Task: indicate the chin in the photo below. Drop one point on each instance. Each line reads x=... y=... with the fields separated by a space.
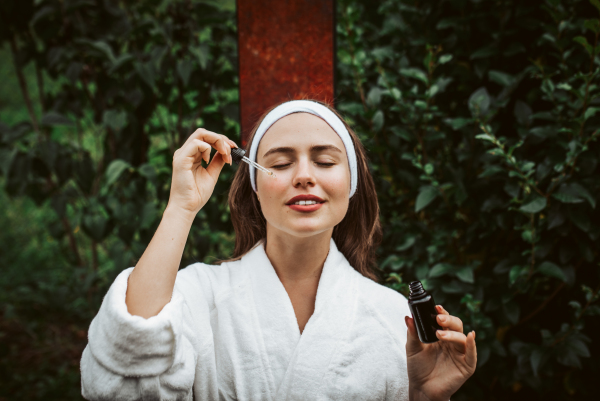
x=304 y=230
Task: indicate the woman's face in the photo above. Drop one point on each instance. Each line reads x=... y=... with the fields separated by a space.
x=308 y=158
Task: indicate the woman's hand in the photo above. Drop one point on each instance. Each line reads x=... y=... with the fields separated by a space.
x=192 y=185
x=436 y=371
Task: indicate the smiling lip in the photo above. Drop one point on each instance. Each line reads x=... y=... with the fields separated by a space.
x=305 y=208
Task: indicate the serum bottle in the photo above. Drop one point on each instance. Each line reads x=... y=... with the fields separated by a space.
x=422 y=307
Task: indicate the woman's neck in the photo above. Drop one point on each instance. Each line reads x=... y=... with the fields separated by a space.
x=297 y=259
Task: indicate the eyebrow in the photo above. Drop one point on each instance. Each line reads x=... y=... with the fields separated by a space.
x=314 y=148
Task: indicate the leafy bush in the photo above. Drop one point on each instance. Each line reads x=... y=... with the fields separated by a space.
x=481 y=119
x=481 y=122
x=119 y=88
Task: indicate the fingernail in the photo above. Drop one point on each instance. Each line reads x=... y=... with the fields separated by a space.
x=474 y=334
x=441 y=333
x=442 y=318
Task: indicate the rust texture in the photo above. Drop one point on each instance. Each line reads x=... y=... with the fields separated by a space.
x=286 y=51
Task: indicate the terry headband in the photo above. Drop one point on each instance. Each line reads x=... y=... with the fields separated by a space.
x=305 y=106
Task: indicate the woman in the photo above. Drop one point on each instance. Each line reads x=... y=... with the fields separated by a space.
x=296 y=314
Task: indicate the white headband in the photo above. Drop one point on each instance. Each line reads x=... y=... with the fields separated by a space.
x=305 y=106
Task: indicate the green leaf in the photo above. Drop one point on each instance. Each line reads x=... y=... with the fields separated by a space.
x=569 y=193
x=522 y=112
x=146 y=72
x=527 y=166
x=584 y=193
x=479 y=101
x=590 y=112
x=374 y=96
x=485 y=52
x=378 y=121
x=54 y=118
x=579 y=347
x=458 y=123
x=409 y=242
x=202 y=54
x=596 y=4
x=94 y=225
x=512 y=311
x=425 y=197
x=104 y=48
x=114 y=119
x=184 y=69
x=149 y=215
x=551 y=270
x=148 y=171
x=538 y=357
x=515 y=273
x=567 y=198
x=593 y=25
x=444 y=58
x=120 y=61
x=114 y=171
x=501 y=78
x=583 y=41
x=486 y=137
x=415 y=73
x=548 y=86
x=465 y=274
x=491 y=170
x=440 y=269
x=535 y=206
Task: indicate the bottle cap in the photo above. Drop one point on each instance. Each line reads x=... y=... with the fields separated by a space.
x=237 y=154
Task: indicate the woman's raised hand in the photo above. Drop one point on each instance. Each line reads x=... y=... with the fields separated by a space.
x=192 y=185
x=436 y=371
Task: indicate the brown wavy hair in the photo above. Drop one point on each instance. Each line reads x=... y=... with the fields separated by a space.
x=357 y=236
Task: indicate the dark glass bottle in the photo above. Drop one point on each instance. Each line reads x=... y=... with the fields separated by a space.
x=422 y=307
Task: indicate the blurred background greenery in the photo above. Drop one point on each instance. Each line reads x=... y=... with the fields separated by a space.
x=480 y=119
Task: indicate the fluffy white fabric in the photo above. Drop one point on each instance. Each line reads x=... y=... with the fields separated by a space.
x=230 y=333
x=305 y=106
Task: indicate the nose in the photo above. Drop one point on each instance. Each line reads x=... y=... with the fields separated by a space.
x=304 y=176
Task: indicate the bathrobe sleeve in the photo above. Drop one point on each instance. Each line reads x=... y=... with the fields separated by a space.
x=132 y=358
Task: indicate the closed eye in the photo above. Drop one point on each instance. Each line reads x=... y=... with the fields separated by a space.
x=320 y=164
x=281 y=165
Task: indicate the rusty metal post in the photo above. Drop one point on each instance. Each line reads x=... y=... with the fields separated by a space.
x=286 y=51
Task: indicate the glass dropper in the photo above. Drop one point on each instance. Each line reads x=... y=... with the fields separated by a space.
x=237 y=155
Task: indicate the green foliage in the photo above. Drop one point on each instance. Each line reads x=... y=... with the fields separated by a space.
x=482 y=136
x=110 y=91
x=480 y=118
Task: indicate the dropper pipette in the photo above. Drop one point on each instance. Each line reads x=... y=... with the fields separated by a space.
x=237 y=155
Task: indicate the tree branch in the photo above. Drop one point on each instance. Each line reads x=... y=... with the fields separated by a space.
x=23 y=86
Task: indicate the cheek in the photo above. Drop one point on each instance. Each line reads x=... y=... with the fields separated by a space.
x=271 y=188
x=337 y=183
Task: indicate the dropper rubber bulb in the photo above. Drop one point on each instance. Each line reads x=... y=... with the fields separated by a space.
x=237 y=155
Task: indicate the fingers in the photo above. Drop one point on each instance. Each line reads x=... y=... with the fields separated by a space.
x=471 y=352
x=220 y=142
x=215 y=166
x=195 y=149
x=440 y=309
x=450 y=322
x=458 y=340
x=413 y=344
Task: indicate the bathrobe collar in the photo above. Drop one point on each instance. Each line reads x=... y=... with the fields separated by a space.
x=297 y=363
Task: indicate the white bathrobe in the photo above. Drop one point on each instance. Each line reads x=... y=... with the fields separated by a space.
x=230 y=333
